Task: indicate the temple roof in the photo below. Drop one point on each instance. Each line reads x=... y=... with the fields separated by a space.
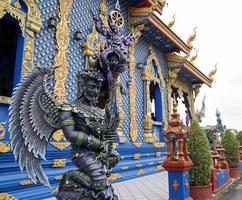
x=156 y=30
x=188 y=71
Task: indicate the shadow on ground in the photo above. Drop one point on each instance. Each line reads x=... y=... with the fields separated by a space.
x=234 y=193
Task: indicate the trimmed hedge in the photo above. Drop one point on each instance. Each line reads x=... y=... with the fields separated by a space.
x=231 y=149
x=200 y=154
x=239 y=137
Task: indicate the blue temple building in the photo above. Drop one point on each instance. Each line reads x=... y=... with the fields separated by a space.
x=61 y=33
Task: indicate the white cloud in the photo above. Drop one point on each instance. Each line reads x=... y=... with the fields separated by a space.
x=219 y=41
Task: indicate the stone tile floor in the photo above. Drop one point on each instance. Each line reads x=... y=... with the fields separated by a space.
x=151 y=187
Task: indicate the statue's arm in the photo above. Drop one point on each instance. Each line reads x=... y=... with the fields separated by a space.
x=100 y=26
x=78 y=138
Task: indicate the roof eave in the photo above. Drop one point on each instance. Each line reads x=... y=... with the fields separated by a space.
x=197 y=73
x=155 y=21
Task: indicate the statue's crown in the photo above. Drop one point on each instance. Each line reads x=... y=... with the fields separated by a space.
x=91 y=74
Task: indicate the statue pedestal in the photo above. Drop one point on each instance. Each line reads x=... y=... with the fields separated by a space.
x=179 y=187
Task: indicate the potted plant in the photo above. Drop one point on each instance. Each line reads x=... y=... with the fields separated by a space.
x=231 y=152
x=239 y=138
x=200 y=173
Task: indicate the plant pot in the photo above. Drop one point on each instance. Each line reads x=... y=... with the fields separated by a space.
x=203 y=192
x=234 y=172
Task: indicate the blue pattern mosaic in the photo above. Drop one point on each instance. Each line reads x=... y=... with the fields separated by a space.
x=45 y=44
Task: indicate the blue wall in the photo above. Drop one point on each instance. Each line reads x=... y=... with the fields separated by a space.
x=45 y=51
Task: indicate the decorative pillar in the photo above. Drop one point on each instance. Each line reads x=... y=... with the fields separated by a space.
x=177 y=162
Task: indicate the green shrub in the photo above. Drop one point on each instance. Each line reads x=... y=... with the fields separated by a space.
x=200 y=154
x=231 y=149
x=239 y=137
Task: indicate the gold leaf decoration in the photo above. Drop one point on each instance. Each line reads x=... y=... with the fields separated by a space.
x=58 y=135
x=133 y=123
x=26 y=182
x=59 y=163
x=140 y=172
x=61 y=145
x=114 y=177
x=4 y=148
x=63 y=41
x=6 y=196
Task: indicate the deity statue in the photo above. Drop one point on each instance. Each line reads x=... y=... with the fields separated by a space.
x=35 y=115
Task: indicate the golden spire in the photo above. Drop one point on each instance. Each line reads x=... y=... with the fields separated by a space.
x=172 y=22
x=212 y=73
x=192 y=38
x=194 y=57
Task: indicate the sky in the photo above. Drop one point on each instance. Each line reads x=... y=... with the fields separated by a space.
x=219 y=32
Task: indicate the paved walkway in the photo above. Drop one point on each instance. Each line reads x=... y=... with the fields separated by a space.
x=235 y=193
x=152 y=187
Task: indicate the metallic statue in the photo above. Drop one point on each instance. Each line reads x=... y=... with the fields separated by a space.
x=35 y=115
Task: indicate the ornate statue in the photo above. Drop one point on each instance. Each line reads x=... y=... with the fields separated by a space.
x=220 y=128
x=35 y=115
x=201 y=113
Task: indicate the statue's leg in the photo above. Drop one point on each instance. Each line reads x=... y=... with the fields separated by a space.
x=88 y=163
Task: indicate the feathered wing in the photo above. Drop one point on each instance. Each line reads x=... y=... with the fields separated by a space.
x=33 y=117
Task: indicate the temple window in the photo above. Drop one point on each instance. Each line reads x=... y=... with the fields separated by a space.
x=9 y=34
x=154 y=112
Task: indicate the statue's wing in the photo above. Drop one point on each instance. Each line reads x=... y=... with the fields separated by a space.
x=33 y=117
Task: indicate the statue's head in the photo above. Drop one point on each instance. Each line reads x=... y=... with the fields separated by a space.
x=89 y=85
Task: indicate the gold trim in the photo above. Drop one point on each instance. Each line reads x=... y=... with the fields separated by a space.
x=114 y=177
x=4 y=148
x=28 y=55
x=158 y=144
x=4 y=99
x=26 y=182
x=136 y=156
x=6 y=7
x=140 y=172
x=149 y=75
x=122 y=137
x=34 y=18
x=63 y=41
x=175 y=185
x=59 y=163
x=158 y=154
x=142 y=11
x=159 y=168
x=58 y=178
x=137 y=144
x=61 y=145
x=2 y=135
x=58 y=135
x=133 y=122
x=6 y=196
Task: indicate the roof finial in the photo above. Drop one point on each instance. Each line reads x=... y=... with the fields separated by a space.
x=172 y=22
x=117 y=6
x=192 y=38
x=212 y=73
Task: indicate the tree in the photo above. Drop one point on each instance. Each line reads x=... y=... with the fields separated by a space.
x=231 y=149
x=200 y=154
x=239 y=137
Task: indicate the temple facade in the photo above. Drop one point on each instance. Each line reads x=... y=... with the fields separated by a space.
x=62 y=33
